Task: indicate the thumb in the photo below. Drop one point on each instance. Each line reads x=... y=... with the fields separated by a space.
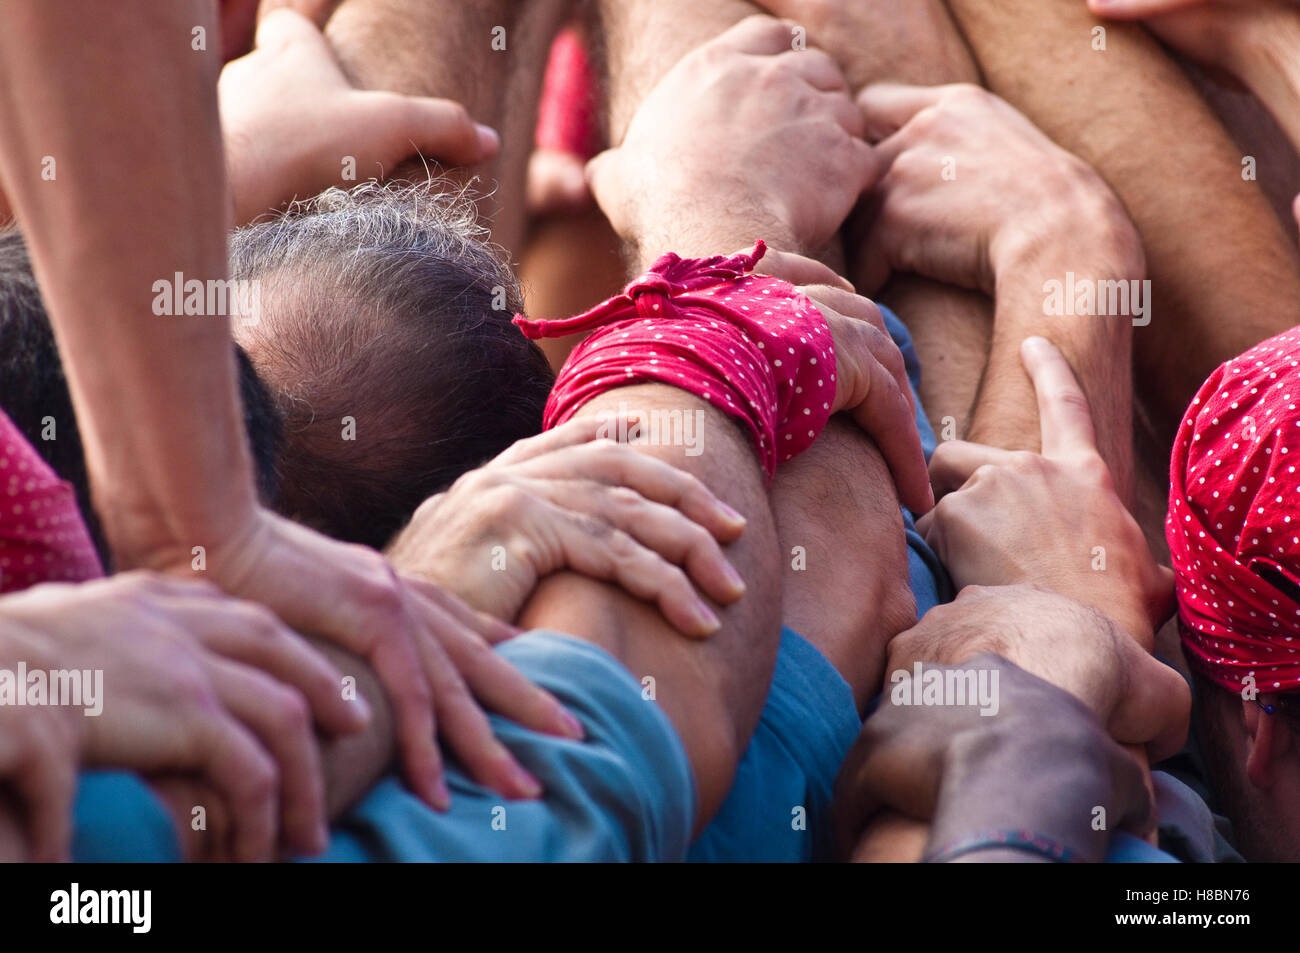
x=281 y=27
x=604 y=178
x=442 y=129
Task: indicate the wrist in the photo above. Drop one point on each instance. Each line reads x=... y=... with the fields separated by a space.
x=1012 y=777
x=144 y=534
x=1085 y=229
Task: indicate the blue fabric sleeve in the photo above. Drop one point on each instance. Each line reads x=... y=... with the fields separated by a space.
x=625 y=793
x=117 y=819
x=778 y=808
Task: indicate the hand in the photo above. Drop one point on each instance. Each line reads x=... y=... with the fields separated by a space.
x=744 y=137
x=566 y=500
x=291 y=119
x=432 y=660
x=970 y=187
x=192 y=682
x=870 y=377
x=1139 y=699
x=1008 y=517
x=1041 y=763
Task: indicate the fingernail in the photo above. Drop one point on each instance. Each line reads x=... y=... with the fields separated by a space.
x=733 y=579
x=573 y=728
x=441 y=796
x=731 y=515
x=360 y=709
x=488 y=140
x=525 y=782
x=706 y=619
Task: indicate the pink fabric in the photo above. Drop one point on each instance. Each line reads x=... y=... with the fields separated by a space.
x=1234 y=510
x=42 y=535
x=566 y=113
x=750 y=345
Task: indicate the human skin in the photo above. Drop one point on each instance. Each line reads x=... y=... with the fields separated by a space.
x=444 y=48
x=1043 y=763
x=996 y=224
x=1086 y=104
x=156 y=396
x=190 y=681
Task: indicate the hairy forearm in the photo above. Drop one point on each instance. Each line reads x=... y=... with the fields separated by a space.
x=1271 y=69
x=107 y=213
x=1044 y=288
x=1087 y=105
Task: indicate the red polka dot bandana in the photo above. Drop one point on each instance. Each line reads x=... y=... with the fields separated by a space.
x=42 y=535
x=750 y=345
x=1234 y=519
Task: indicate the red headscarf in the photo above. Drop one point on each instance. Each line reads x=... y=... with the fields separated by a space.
x=1234 y=519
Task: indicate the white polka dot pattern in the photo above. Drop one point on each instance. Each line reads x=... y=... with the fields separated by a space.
x=1234 y=519
x=42 y=535
x=750 y=345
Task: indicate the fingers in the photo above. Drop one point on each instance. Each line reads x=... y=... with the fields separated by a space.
x=881 y=406
x=281 y=720
x=244 y=776
x=954 y=462
x=42 y=767
x=858 y=308
x=1063 y=412
x=258 y=639
x=571 y=433
x=800 y=270
x=464 y=726
x=888 y=107
x=618 y=465
x=818 y=70
x=592 y=548
x=489 y=628
x=663 y=529
x=376 y=622
x=442 y=129
x=497 y=683
x=283 y=26
x=888 y=416
x=759 y=35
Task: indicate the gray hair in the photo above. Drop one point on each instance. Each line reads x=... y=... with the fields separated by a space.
x=386 y=304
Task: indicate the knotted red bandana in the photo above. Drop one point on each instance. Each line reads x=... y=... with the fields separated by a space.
x=750 y=345
x=1234 y=519
x=42 y=535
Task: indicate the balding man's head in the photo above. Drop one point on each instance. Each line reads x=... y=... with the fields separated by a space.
x=385 y=333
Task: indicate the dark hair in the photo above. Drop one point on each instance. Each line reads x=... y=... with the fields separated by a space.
x=34 y=392
x=384 y=307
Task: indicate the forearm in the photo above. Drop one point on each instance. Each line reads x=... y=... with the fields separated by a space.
x=155 y=395
x=1081 y=287
x=452 y=49
x=1088 y=107
x=1271 y=69
x=712 y=690
x=826 y=501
